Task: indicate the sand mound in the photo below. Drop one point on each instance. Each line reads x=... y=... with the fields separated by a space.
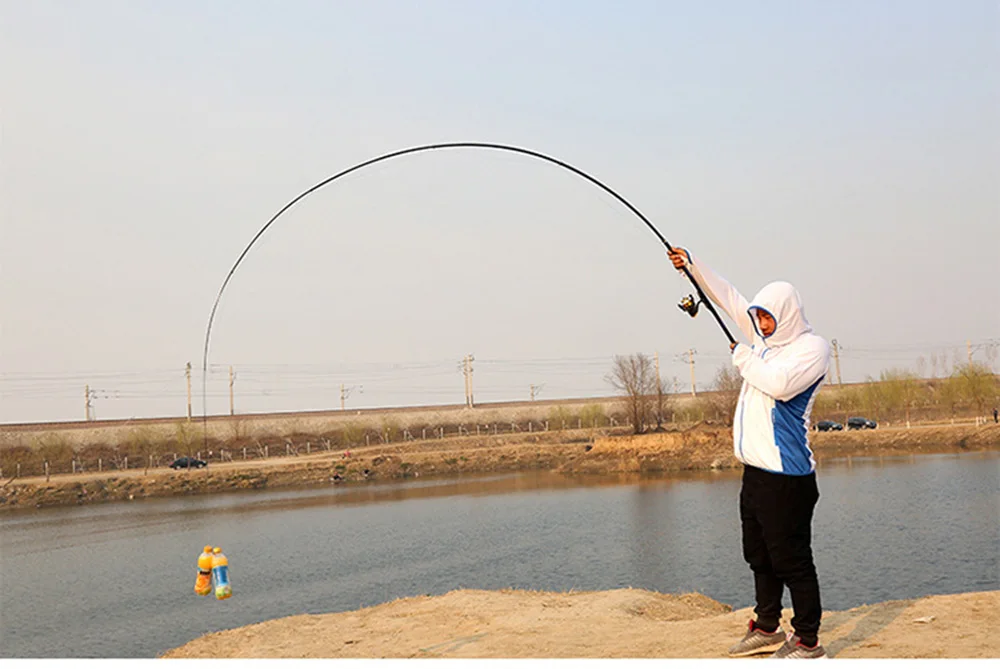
x=610 y=624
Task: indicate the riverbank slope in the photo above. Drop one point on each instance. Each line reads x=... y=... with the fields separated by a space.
x=572 y=452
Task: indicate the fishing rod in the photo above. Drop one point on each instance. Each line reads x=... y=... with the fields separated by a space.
x=688 y=304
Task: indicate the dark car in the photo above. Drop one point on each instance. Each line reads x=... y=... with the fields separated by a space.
x=828 y=425
x=859 y=423
x=188 y=463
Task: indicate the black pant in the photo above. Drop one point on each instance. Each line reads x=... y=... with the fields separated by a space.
x=776 y=512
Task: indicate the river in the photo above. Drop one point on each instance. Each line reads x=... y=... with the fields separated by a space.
x=116 y=580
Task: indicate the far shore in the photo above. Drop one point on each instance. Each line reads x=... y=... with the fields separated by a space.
x=571 y=452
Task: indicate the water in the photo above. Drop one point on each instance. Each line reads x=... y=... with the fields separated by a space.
x=117 y=580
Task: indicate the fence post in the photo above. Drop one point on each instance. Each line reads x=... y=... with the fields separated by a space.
x=495 y=429
x=529 y=426
x=74 y=469
x=579 y=423
x=546 y=426
x=19 y=470
x=100 y=465
x=423 y=433
x=308 y=448
x=126 y=461
x=368 y=441
x=46 y=470
x=244 y=452
x=477 y=429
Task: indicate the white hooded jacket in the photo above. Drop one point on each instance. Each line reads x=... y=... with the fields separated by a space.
x=782 y=374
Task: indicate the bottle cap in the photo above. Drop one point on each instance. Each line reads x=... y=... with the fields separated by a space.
x=216 y=550
x=208 y=549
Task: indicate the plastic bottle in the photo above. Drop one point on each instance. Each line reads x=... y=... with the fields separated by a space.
x=203 y=582
x=220 y=574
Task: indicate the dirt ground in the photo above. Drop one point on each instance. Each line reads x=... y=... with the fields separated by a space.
x=611 y=624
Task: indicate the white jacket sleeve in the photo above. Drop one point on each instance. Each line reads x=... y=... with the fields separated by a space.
x=784 y=380
x=723 y=294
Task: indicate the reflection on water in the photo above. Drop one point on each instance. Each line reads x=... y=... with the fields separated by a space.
x=91 y=524
x=116 y=580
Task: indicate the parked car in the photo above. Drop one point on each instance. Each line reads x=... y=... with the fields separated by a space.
x=186 y=462
x=828 y=425
x=859 y=423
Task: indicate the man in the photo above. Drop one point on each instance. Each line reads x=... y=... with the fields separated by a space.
x=782 y=371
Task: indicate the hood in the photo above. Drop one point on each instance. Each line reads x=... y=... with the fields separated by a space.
x=782 y=301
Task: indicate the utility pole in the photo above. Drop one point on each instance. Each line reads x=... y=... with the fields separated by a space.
x=187 y=373
x=691 y=353
x=232 y=403
x=656 y=356
x=465 y=377
x=836 y=357
x=345 y=392
x=968 y=351
x=535 y=390
x=86 y=394
x=467 y=373
x=470 y=402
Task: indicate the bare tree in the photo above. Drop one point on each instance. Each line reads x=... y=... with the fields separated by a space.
x=949 y=394
x=992 y=352
x=664 y=398
x=899 y=389
x=978 y=384
x=141 y=443
x=726 y=384
x=634 y=377
x=239 y=429
x=873 y=398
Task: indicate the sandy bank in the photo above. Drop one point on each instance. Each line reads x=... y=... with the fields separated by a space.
x=611 y=624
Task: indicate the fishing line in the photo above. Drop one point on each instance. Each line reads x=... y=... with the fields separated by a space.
x=688 y=304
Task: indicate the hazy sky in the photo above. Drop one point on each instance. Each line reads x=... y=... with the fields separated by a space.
x=852 y=148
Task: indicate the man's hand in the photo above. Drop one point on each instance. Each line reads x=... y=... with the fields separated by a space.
x=678 y=257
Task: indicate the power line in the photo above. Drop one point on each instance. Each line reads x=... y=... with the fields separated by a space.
x=294 y=385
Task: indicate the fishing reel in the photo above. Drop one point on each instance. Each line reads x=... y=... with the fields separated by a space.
x=689 y=306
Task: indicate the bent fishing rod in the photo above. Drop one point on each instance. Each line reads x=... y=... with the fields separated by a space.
x=688 y=304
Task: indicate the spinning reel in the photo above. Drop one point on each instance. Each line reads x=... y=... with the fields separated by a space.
x=689 y=306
